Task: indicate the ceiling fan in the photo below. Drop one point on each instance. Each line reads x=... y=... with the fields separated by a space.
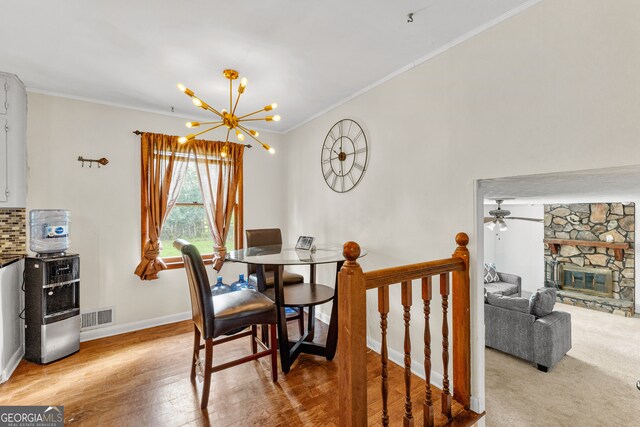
x=497 y=217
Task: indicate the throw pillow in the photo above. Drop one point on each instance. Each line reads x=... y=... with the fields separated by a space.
x=510 y=303
x=542 y=301
x=490 y=273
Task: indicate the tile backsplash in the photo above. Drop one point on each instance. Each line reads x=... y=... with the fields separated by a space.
x=13 y=231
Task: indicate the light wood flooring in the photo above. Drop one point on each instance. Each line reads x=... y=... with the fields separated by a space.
x=142 y=379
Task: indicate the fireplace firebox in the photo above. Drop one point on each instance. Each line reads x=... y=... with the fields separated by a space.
x=589 y=280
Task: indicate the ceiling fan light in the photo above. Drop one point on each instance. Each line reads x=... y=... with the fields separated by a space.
x=503 y=226
x=491 y=225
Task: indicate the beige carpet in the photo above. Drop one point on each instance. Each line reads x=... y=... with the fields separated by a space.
x=593 y=385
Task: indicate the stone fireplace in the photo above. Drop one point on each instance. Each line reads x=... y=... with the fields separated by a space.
x=590 y=255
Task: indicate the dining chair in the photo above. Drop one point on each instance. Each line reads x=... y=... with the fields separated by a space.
x=263 y=277
x=214 y=316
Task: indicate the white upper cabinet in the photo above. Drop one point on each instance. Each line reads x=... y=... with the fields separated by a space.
x=4 y=165
x=13 y=142
x=4 y=87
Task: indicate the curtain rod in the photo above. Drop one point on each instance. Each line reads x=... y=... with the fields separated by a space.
x=137 y=132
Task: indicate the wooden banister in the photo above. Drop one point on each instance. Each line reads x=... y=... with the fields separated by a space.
x=352 y=286
x=352 y=341
x=461 y=311
x=390 y=276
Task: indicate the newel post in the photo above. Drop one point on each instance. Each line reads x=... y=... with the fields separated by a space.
x=462 y=326
x=352 y=345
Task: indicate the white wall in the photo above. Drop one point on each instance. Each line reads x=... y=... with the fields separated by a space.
x=560 y=74
x=520 y=249
x=105 y=202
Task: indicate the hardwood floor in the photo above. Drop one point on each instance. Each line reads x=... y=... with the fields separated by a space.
x=142 y=379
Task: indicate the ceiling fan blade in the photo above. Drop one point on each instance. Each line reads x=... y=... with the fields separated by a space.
x=488 y=219
x=525 y=219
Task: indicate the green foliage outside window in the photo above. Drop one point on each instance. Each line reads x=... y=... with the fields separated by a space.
x=187 y=220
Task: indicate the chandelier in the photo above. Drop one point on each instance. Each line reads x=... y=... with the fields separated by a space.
x=228 y=117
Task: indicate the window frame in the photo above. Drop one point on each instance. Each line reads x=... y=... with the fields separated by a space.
x=176 y=262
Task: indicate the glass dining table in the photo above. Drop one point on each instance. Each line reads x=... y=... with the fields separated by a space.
x=307 y=294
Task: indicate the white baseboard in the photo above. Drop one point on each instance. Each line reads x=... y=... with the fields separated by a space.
x=94 y=334
x=323 y=317
x=12 y=364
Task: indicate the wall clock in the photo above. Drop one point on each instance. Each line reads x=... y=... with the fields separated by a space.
x=344 y=156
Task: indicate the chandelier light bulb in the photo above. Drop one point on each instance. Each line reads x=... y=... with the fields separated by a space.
x=271 y=107
x=254 y=133
x=223 y=153
x=271 y=150
x=197 y=102
x=239 y=135
x=276 y=118
x=182 y=139
x=192 y=124
x=243 y=82
x=185 y=89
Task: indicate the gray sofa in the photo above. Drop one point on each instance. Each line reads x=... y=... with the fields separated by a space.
x=509 y=285
x=541 y=340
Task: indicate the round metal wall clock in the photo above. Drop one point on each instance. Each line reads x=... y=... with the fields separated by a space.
x=344 y=156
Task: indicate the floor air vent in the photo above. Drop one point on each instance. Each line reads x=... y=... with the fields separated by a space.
x=98 y=318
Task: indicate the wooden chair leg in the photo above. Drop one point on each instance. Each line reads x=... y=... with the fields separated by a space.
x=196 y=352
x=254 y=336
x=301 y=320
x=274 y=353
x=208 y=362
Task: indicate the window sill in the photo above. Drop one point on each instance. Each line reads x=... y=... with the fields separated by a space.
x=174 y=263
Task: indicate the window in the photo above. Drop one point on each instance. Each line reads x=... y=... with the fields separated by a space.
x=187 y=220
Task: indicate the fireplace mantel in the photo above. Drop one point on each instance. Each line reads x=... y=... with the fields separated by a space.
x=618 y=248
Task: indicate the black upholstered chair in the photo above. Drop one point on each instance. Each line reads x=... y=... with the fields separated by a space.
x=262 y=277
x=222 y=314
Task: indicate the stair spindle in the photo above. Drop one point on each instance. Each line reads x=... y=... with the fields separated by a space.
x=428 y=414
x=446 y=394
x=383 y=309
x=406 y=304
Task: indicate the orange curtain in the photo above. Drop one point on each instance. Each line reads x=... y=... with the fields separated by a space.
x=219 y=177
x=163 y=165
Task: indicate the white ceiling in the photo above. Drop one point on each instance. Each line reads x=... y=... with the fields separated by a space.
x=307 y=56
x=621 y=184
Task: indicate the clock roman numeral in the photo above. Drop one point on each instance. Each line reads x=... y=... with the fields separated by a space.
x=327 y=174
x=359 y=166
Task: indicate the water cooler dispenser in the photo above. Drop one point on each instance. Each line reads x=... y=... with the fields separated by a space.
x=52 y=289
